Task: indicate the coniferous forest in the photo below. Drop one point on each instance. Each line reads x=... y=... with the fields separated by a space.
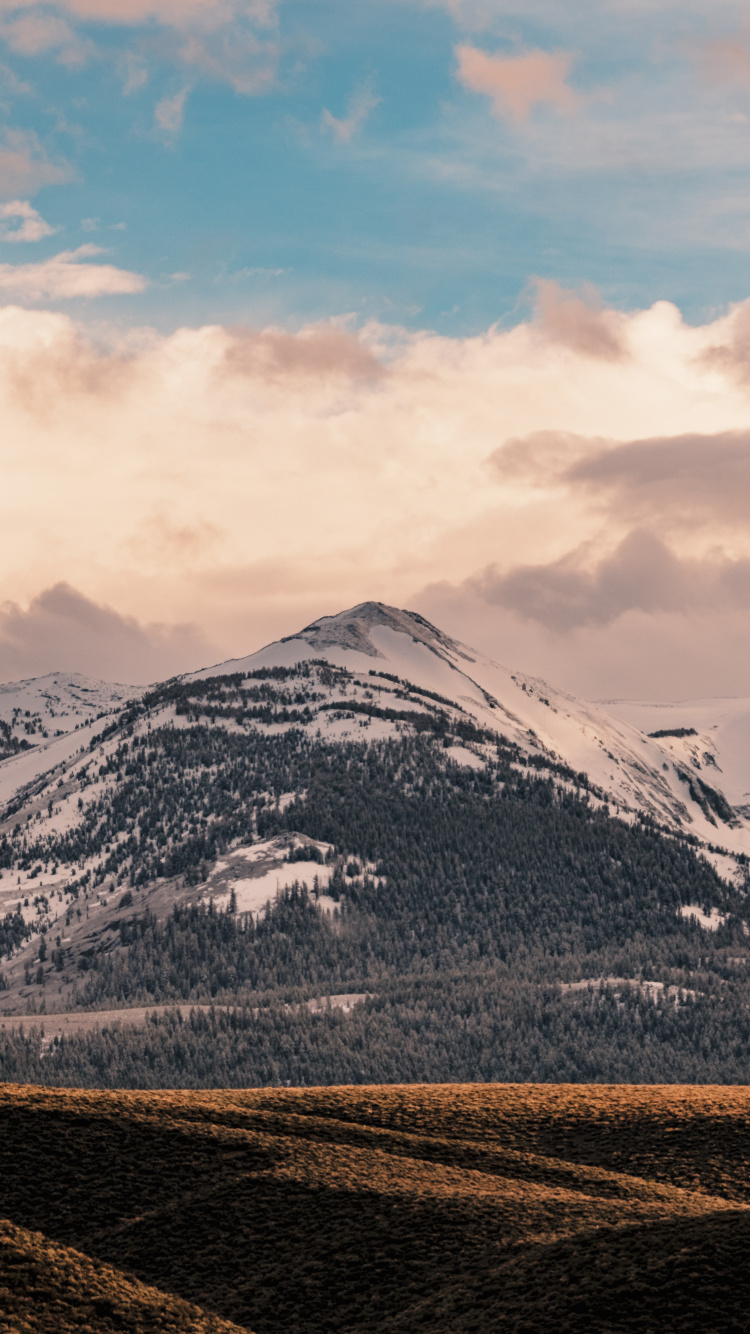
x=469 y=900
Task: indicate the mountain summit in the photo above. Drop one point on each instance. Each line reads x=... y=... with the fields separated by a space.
x=352 y=630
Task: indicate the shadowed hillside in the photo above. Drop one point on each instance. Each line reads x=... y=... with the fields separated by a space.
x=403 y=1208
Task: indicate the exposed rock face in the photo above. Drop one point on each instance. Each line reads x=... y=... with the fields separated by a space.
x=351 y=630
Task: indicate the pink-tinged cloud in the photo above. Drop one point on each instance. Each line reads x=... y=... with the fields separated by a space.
x=580 y=323
x=246 y=480
x=727 y=60
x=64 y=276
x=227 y=40
x=234 y=56
x=641 y=574
x=319 y=352
x=517 y=84
x=33 y=34
x=176 y=13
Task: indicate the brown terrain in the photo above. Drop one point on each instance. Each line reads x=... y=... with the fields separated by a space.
x=376 y=1209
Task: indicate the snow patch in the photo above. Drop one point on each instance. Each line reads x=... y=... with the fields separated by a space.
x=710 y=921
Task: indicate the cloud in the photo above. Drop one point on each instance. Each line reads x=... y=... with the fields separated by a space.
x=687 y=478
x=64 y=277
x=235 y=56
x=35 y=34
x=731 y=352
x=641 y=574
x=579 y=322
x=63 y=630
x=25 y=167
x=727 y=60
x=228 y=40
x=517 y=84
x=30 y=225
x=175 y=13
x=292 y=473
x=360 y=105
x=170 y=111
x=319 y=351
x=683 y=480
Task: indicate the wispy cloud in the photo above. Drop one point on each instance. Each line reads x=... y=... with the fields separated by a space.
x=170 y=112
x=37 y=33
x=361 y=104
x=65 y=276
x=25 y=166
x=175 y=13
x=227 y=40
x=19 y=221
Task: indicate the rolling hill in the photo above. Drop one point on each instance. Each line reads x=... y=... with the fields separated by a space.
x=511 y=1208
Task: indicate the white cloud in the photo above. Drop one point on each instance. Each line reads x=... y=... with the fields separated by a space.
x=64 y=276
x=29 y=225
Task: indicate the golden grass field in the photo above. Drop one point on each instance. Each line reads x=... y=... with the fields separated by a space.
x=361 y=1210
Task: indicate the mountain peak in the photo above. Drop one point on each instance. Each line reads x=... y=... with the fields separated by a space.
x=352 y=629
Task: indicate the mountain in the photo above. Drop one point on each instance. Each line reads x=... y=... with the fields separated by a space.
x=639 y=771
x=372 y=808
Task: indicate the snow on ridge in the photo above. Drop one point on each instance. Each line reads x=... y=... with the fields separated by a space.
x=699 y=784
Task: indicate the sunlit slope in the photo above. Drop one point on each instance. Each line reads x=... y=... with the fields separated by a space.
x=46 y=1288
x=394 y=1208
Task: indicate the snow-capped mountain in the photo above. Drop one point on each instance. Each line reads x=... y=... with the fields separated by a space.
x=678 y=779
x=159 y=792
x=687 y=765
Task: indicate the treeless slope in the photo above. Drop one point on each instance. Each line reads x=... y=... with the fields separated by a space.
x=46 y=1288
x=396 y=1208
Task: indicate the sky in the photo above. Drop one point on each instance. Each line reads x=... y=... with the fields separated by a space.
x=444 y=303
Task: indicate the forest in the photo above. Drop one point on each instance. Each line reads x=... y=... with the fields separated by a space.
x=468 y=899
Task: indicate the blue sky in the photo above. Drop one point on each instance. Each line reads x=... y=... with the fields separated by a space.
x=428 y=209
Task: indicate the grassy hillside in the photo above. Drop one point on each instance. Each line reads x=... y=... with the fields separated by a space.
x=46 y=1288
x=412 y=1208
